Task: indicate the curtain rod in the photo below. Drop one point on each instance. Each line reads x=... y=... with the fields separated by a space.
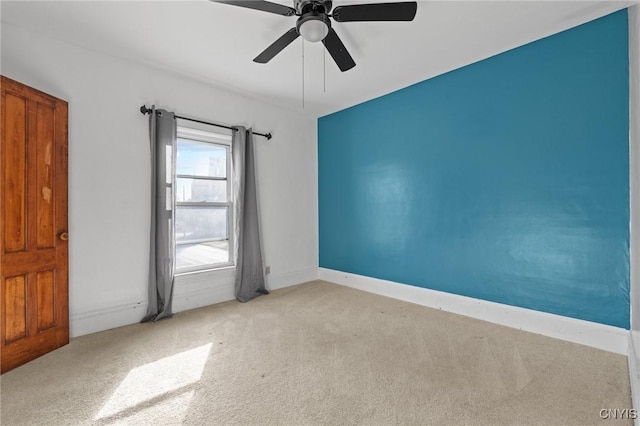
x=144 y=110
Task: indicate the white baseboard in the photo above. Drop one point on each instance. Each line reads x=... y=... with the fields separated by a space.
x=190 y=292
x=131 y=313
x=634 y=370
x=221 y=289
x=605 y=337
x=287 y=279
x=106 y=318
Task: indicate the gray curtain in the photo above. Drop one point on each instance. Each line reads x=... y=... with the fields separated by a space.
x=248 y=255
x=162 y=132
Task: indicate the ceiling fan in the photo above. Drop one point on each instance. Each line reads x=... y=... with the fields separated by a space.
x=314 y=24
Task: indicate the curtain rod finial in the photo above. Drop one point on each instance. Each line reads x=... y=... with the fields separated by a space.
x=268 y=136
x=144 y=110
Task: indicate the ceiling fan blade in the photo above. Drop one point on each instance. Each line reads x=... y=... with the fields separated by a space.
x=265 y=6
x=404 y=11
x=277 y=46
x=338 y=52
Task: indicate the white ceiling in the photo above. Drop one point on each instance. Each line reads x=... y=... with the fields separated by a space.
x=216 y=43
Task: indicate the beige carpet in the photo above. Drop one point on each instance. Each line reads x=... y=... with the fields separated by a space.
x=317 y=353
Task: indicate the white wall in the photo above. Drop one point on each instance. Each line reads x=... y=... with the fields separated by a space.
x=109 y=168
x=634 y=158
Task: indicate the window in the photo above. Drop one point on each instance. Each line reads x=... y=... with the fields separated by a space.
x=204 y=204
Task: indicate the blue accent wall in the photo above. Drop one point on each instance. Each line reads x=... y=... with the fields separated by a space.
x=506 y=180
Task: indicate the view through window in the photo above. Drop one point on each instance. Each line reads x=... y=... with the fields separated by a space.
x=203 y=207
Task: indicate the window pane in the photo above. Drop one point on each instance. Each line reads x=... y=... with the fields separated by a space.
x=192 y=255
x=201 y=159
x=194 y=224
x=201 y=190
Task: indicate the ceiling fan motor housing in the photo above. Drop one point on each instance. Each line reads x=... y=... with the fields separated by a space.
x=304 y=6
x=313 y=24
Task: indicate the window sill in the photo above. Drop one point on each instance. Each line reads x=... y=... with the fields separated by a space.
x=226 y=268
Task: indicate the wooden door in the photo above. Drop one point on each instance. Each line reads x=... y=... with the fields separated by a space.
x=34 y=317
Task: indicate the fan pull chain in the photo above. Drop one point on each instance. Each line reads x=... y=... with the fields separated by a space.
x=303 y=73
x=324 y=70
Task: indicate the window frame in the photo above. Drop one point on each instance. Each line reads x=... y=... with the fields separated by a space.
x=218 y=139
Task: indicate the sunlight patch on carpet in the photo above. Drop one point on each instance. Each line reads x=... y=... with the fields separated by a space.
x=159 y=381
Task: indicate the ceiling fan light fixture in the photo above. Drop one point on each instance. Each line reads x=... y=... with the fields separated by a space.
x=313 y=28
x=314 y=23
